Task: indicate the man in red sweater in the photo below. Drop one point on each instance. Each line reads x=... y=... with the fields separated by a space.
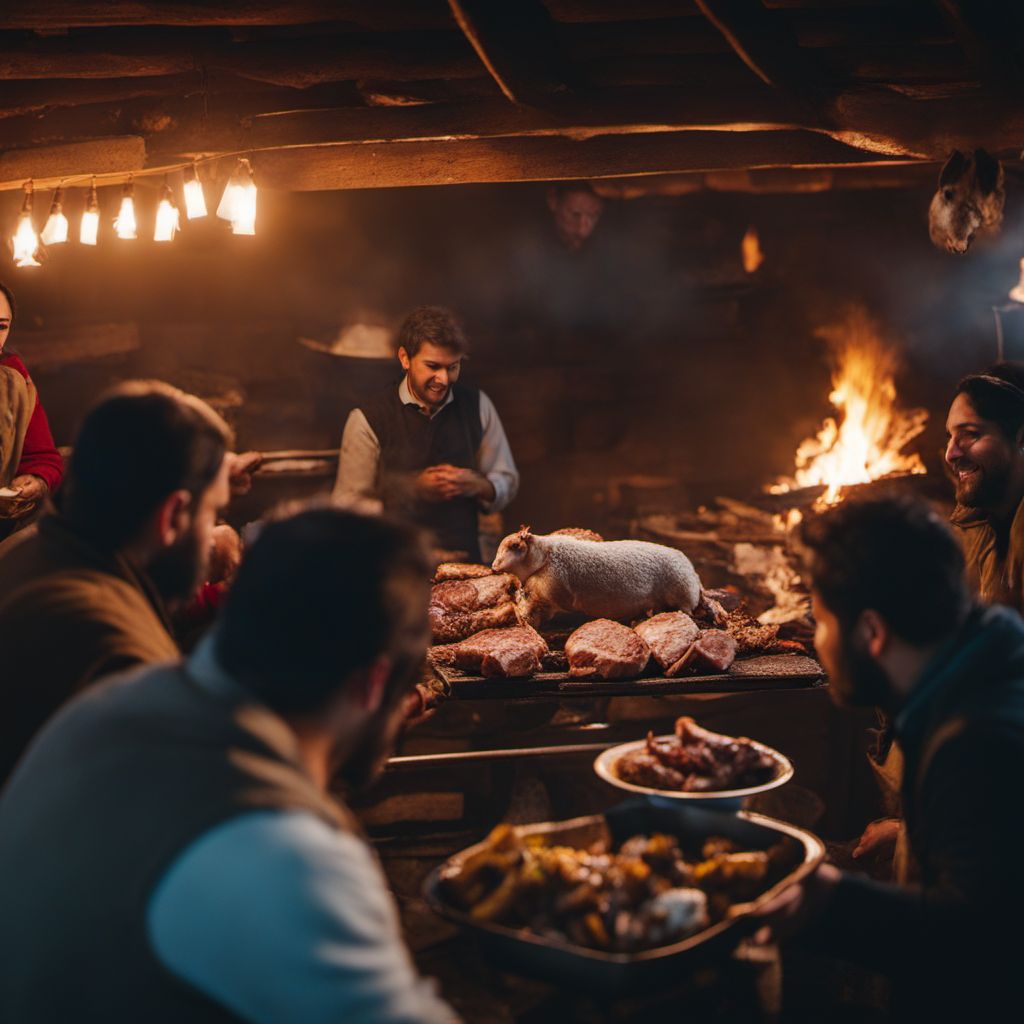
x=30 y=464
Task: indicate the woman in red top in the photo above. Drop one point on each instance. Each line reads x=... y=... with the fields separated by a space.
x=29 y=461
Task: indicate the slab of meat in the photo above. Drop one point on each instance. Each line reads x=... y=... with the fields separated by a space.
x=695 y=760
x=713 y=651
x=751 y=637
x=512 y=653
x=460 y=571
x=579 y=532
x=460 y=608
x=669 y=636
x=604 y=649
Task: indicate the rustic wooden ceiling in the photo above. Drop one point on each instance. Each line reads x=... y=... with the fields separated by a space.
x=739 y=94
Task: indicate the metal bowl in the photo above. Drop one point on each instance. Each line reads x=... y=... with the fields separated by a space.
x=604 y=766
x=591 y=970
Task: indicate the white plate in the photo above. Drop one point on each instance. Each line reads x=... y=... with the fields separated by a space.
x=604 y=765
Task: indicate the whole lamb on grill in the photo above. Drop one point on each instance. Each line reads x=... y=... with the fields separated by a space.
x=619 y=579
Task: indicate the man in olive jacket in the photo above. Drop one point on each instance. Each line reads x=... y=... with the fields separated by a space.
x=88 y=592
x=898 y=629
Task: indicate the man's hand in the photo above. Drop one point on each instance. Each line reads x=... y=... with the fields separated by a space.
x=797 y=907
x=444 y=482
x=241 y=467
x=879 y=839
x=31 y=491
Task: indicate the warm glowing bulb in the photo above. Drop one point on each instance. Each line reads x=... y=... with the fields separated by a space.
x=55 y=230
x=26 y=242
x=238 y=204
x=124 y=222
x=195 y=201
x=90 y=228
x=166 y=219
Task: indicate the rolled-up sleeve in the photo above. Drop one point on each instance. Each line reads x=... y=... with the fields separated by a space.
x=495 y=458
x=356 y=484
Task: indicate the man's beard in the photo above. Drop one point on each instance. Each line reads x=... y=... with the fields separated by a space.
x=858 y=680
x=985 y=488
x=363 y=764
x=178 y=570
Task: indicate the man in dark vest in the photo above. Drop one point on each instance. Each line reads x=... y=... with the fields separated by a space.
x=429 y=449
x=169 y=850
x=897 y=628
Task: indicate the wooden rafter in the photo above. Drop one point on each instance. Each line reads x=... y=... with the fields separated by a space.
x=517 y=45
x=990 y=33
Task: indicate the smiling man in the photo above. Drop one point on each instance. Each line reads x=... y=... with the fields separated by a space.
x=432 y=449
x=985 y=452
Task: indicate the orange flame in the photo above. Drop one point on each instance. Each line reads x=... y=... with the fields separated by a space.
x=866 y=441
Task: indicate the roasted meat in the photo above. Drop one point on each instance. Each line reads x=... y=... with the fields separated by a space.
x=713 y=651
x=447 y=571
x=669 y=636
x=510 y=653
x=695 y=760
x=604 y=649
x=460 y=608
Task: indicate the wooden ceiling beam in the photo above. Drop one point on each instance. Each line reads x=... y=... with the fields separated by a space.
x=516 y=43
x=989 y=31
x=384 y=15
x=541 y=159
x=118 y=155
x=399 y=56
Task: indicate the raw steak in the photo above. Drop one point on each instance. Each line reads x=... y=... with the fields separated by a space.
x=669 y=636
x=460 y=608
x=497 y=653
x=604 y=649
x=713 y=651
x=579 y=532
x=460 y=571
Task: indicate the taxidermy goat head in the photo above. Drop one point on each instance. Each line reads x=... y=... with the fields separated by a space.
x=970 y=197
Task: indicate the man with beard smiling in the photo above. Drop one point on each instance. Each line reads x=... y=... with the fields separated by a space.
x=985 y=452
x=431 y=449
x=169 y=849
x=88 y=593
x=897 y=629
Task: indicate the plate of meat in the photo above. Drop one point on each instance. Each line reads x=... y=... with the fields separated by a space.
x=694 y=764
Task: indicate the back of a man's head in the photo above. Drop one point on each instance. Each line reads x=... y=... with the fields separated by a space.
x=320 y=596
x=139 y=444
x=893 y=554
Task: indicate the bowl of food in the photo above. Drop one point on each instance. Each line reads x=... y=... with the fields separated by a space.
x=694 y=764
x=621 y=901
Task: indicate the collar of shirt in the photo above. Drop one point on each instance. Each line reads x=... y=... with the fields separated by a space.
x=408 y=398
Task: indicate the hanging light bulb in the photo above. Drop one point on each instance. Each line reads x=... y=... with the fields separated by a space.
x=124 y=222
x=238 y=204
x=56 y=229
x=26 y=241
x=90 y=218
x=167 y=218
x=195 y=201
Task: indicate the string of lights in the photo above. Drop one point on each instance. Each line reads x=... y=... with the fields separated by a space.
x=237 y=206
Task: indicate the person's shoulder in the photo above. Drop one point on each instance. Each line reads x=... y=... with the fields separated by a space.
x=14 y=361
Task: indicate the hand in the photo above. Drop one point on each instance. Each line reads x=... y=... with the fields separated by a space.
x=31 y=491
x=444 y=482
x=225 y=553
x=797 y=907
x=879 y=839
x=240 y=470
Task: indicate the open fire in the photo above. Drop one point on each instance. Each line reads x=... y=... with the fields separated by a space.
x=867 y=438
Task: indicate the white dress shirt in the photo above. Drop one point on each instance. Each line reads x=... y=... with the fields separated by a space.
x=356 y=484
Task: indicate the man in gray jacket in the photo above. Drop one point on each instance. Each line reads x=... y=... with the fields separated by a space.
x=169 y=847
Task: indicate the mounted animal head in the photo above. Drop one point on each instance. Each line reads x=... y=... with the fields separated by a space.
x=520 y=553
x=970 y=196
